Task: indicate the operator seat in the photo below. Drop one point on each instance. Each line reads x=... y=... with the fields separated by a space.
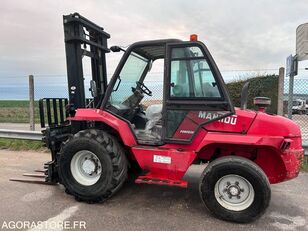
x=153 y=127
x=209 y=90
x=153 y=114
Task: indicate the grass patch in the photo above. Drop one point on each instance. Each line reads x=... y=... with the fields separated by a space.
x=17 y=111
x=304 y=166
x=14 y=103
x=17 y=144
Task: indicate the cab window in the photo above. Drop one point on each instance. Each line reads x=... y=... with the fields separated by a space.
x=191 y=75
x=129 y=75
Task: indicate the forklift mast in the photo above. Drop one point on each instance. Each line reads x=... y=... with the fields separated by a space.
x=84 y=38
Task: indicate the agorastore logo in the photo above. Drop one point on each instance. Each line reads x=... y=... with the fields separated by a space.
x=43 y=225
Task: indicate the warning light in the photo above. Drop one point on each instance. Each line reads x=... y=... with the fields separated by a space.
x=193 y=37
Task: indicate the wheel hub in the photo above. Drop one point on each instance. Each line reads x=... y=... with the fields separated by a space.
x=234 y=192
x=86 y=168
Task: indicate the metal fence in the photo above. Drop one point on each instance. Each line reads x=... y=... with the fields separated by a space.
x=300 y=104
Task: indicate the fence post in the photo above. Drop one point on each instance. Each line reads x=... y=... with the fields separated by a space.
x=31 y=102
x=290 y=100
x=280 y=91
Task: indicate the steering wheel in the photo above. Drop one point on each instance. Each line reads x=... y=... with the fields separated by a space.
x=144 y=88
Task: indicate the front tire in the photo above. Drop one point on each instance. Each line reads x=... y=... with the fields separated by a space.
x=235 y=189
x=92 y=166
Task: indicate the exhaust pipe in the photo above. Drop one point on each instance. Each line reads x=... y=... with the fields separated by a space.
x=244 y=96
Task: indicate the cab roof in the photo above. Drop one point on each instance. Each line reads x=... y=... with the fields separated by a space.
x=152 y=49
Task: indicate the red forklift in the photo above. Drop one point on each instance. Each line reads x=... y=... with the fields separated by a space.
x=97 y=143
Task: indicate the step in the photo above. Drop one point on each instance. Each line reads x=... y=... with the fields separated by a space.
x=160 y=181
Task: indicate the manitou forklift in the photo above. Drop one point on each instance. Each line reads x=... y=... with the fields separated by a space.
x=96 y=143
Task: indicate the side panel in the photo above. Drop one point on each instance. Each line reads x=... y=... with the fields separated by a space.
x=204 y=138
x=164 y=163
x=239 y=123
x=240 y=139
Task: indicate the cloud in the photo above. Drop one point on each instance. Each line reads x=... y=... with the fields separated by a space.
x=240 y=34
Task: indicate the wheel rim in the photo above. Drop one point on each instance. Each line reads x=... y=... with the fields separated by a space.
x=234 y=192
x=86 y=168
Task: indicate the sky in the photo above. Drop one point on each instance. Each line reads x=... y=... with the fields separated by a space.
x=240 y=34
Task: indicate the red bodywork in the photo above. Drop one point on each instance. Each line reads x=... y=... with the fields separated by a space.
x=271 y=141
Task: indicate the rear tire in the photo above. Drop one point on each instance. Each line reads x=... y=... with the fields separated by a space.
x=92 y=166
x=235 y=189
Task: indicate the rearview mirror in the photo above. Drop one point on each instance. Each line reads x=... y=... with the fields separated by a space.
x=116 y=49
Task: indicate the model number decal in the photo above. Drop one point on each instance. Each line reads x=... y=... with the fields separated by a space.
x=162 y=159
x=187 y=132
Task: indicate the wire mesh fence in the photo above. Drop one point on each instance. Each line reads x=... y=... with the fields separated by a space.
x=299 y=104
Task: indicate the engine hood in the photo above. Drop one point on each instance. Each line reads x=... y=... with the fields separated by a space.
x=274 y=125
x=256 y=123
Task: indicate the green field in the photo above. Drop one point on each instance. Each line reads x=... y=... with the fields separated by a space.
x=16 y=111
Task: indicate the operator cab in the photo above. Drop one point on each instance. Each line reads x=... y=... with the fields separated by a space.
x=191 y=85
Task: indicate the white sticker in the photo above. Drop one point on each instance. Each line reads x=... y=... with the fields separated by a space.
x=162 y=159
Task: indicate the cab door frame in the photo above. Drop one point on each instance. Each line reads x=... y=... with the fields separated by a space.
x=193 y=104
